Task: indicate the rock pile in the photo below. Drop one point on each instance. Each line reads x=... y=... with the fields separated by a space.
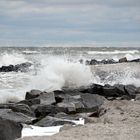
x=60 y=106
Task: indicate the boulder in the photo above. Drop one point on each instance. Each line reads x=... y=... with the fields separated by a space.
x=18 y=117
x=135 y=60
x=108 y=61
x=122 y=60
x=91 y=102
x=23 y=108
x=9 y=130
x=23 y=67
x=52 y=121
x=94 y=62
x=47 y=98
x=32 y=94
x=137 y=98
x=30 y=102
x=113 y=91
x=93 y=89
x=43 y=110
x=130 y=90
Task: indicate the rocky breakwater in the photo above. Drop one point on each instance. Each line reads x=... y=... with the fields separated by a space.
x=60 y=107
x=23 y=67
x=109 y=61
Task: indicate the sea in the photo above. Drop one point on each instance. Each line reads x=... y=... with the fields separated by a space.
x=57 y=67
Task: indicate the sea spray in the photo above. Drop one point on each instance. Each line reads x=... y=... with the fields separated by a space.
x=11 y=59
x=57 y=73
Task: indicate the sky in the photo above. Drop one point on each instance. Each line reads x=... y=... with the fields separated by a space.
x=70 y=22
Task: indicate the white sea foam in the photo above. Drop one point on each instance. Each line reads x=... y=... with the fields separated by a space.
x=14 y=58
x=56 y=73
x=114 y=52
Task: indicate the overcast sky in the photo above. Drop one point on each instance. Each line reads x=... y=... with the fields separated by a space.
x=80 y=22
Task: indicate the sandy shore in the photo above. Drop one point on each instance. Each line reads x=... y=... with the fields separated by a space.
x=121 y=122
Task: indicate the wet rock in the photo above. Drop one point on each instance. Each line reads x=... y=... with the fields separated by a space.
x=121 y=60
x=23 y=67
x=9 y=130
x=137 y=98
x=130 y=90
x=43 y=110
x=30 y=102
x=7 y=68
x=23 y=108
x=53 y=121
x=19 y=67
x=135 y=60
x=93 y=62
x=18 y=117
x=108 y=61
x=91 y=102
x=113 y=91
x=32 y=94
x=47 y=98
x=93 y=89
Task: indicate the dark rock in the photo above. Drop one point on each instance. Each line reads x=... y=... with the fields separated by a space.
x=23 y=67
x=23 y=108
x=108 y=61
x=63 y=115
x=93 y=89
x=32 y=94
x=121 y=60
x=138 y=90
x=8 y=114
x=52 y=121
x=19 y=67
x=137 y=98
x=113 y=91
x=71 y=106
x=47 y=98
x=87 y=62
x=130 y=90
x=93 y=62
x=43 y=110
x=91 y=102
x=135 y=60
x=9 y=130
x=30 y=102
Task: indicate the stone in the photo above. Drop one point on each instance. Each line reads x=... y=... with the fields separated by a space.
x=52 y=121
x=32 y=94
x=18 y=117
x=9 y=130
x=94 y=62
x=91 y=102
x=93 y=89
x=135 y=60
x=23 y=67
x=121 y=60
x=113 y=91
x=23 y=108
x=30 y=102
x=43 y=110
x=130 y=90
x=137 y=98
x=47 y=98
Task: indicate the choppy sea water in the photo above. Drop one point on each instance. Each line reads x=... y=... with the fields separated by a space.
x=54 y=68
